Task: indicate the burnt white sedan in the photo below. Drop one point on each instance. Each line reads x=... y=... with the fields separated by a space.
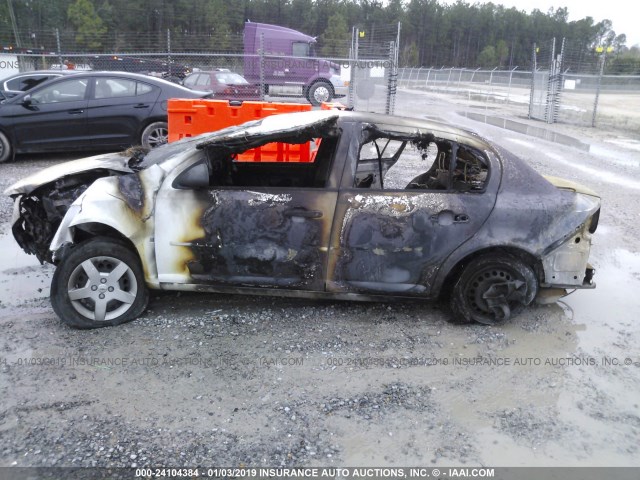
x=382 y=207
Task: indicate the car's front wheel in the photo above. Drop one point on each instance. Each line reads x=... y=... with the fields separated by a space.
x=154 y=135
x=492 y=289
x=99 y=283
x=5 y=148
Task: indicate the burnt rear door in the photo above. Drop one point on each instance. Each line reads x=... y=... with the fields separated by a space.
x=402 y=210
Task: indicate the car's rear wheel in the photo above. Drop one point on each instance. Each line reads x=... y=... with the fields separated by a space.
x=5 y=148
x=492 y=289
x=154 y=135
x=99 y=283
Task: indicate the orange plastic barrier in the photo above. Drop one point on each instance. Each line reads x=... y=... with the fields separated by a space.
x=188 y=118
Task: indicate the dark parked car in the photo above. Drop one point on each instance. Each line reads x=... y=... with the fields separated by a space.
x=224 y=84
x=21 y=82
x=388 y=207
x=174 y=72
x=88 y=111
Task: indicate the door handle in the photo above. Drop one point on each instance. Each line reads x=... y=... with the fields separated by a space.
x=142 y=105
x=447 y=217
x=302 y=212
x=76 y=111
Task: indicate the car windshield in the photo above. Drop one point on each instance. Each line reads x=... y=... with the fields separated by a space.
x=230 y=78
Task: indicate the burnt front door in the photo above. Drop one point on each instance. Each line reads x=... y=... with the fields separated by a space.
x=274 y=238
x=255 y=224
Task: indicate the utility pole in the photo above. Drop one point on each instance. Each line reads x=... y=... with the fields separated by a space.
x=14 y=25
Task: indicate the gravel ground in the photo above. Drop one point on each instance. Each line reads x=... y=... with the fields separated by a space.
x=223 y=380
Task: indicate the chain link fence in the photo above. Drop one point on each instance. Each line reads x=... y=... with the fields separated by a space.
x=474 y=84
x=569 y=86
x=363 y=78
x=373 y=80
x=583 y=99
x=564 y=83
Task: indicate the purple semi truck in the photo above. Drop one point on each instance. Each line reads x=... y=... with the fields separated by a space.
x=290 y=64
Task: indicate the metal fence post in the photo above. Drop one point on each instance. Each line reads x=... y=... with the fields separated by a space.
x=352 y=73
x=169 y=53
x=426 y=85
x=597 y=99
x=509 y=88
x=261 y=53
x=59 y=48
x=474 y=74
x=533 y=81
x=559 y=82
x=491 y=76
x=548 y=110
x=387 y=105
x=392 y=79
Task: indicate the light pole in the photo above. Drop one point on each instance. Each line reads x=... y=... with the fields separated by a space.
x=601 y=51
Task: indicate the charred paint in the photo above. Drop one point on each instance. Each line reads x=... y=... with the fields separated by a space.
x=132 y=190
x=394 y=239
x=257 y=238
x=388 y=242
x=291 y=233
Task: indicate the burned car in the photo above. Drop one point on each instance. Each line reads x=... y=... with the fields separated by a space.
x=383 y=207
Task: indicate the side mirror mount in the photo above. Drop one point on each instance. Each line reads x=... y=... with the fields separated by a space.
x=195 y=177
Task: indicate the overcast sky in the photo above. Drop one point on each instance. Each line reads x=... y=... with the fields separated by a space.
x=625 y=14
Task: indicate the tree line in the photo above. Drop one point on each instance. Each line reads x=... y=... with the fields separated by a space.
x=432 y=33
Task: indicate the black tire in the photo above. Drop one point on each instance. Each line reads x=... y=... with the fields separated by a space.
x=320 y=92
x=154 y=135
x=507 y=275
x=5 y=148
x=87 y=273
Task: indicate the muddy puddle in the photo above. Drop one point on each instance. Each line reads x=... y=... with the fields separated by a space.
x=613 y=304
x=22 y=278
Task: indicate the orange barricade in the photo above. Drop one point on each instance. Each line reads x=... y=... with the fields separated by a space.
x=188 y=117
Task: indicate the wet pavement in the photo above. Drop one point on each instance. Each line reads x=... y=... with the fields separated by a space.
x=235 y=380
x=530 y=130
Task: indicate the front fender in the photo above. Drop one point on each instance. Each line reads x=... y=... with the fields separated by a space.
x=125 y=204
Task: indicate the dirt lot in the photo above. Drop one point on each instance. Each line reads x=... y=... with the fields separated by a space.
x=215 y=380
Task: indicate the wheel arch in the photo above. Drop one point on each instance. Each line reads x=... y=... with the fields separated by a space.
x=88 y=230
x=519 y=253
x=11 y=141
x=82 y=231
